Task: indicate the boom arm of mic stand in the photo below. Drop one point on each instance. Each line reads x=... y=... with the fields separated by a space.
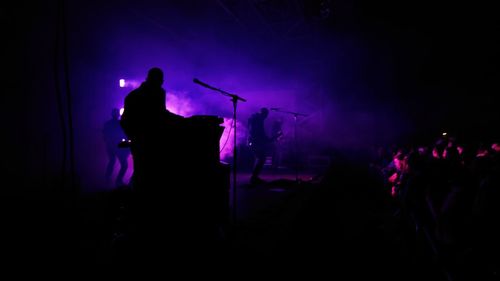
x=291 y=112
x=236 y=97
x=233 y=96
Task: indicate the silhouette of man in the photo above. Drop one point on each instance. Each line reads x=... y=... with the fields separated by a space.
x=113 y=134
x=162 y=174
x=151 y=129
x=258 y=142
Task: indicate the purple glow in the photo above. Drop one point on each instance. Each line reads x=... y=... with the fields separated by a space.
x=132 y=84
x=227 y=138
x=178 y=103
x=122 y=83
x=130 y=170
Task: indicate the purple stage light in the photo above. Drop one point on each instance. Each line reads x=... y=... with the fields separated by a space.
x=122 y=83
x=121 y=111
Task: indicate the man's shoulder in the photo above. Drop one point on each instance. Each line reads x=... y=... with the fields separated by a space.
x=134 y=92
x=142 y=90
x=133 y=95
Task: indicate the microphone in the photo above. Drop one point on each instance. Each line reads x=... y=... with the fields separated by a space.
x=233 y=96
x=274 y=108
x=195 y=80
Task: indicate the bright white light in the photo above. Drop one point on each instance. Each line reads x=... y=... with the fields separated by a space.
x=122 y=83
x=444 y=134
x=121 y=111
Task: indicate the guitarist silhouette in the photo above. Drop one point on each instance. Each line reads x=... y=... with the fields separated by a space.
x=259 y=142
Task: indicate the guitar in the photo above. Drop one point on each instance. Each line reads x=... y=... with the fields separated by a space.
x=262 y=143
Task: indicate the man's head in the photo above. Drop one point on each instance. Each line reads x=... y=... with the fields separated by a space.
x=264 y=111
x=155 y=77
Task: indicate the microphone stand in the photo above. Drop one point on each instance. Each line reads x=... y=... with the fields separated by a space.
x=234 y=100
x=295 y=116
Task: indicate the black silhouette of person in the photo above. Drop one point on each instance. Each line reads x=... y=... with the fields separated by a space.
x=258 y=141
x=113 y=135
x=151 y=129
x=163 y=174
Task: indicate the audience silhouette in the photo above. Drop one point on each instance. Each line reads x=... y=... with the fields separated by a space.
x=113 y=135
